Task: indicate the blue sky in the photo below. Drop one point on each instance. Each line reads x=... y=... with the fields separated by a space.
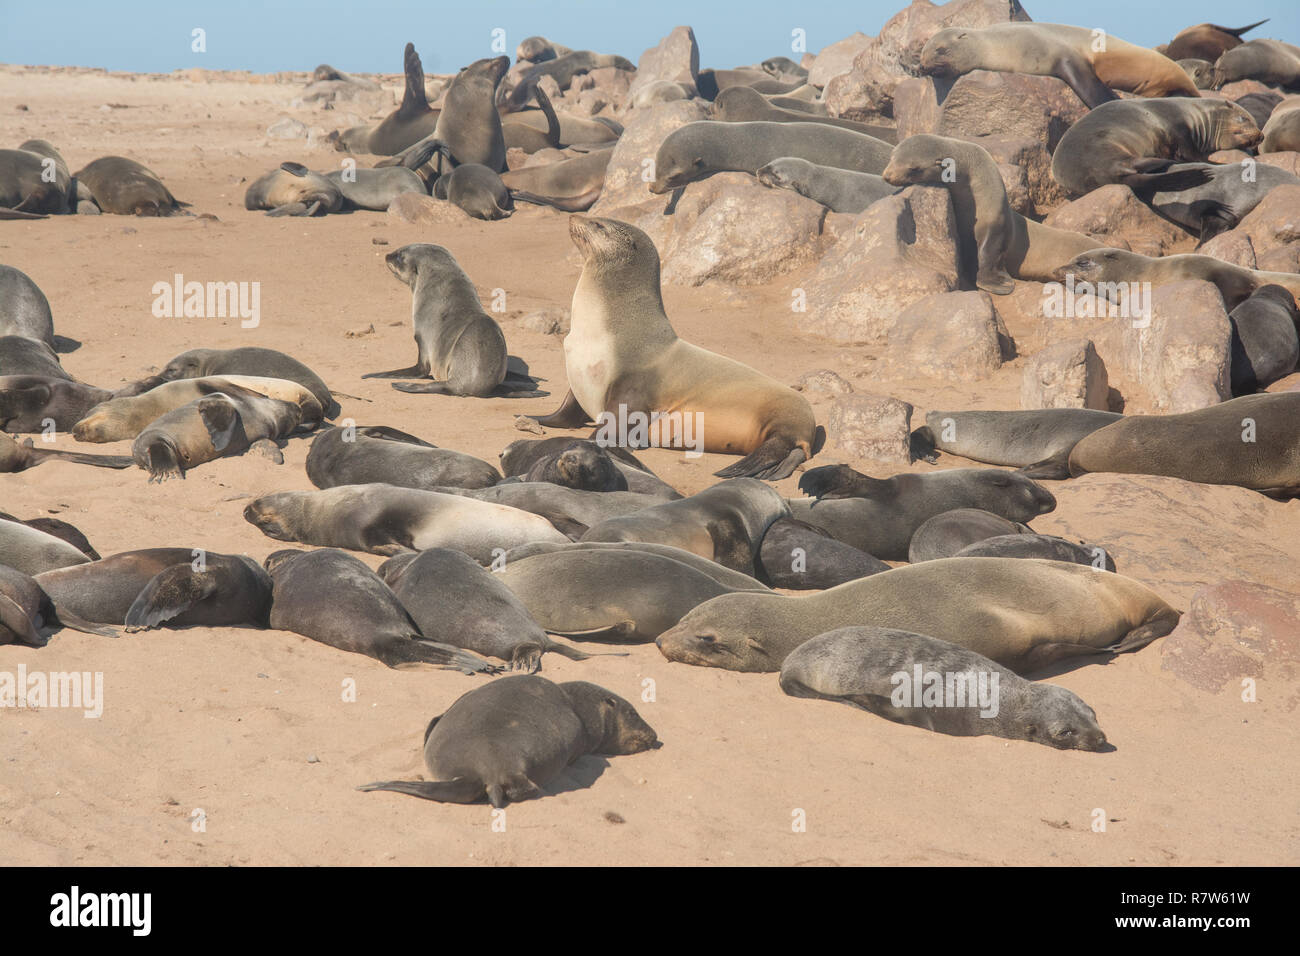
x=368 y=35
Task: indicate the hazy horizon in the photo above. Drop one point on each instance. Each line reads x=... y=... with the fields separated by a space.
x=154 y=36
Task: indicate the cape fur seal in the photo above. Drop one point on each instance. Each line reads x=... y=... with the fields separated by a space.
x=538 y=50
x=122 y=419
x=219 y=425
x=1024 y=614
x=331 y=597
x=1109 y=267
x=1201 y=73
x=625 y=595
x=1071 y=54
x=744 y=104
x=1222 y=202
x=1282 y=131
x=995 y=241
x=250 y=360
x=29 y=402
x=1045 y=546
x=508 y=739
x=801 y=556
x=27 y=615
x=1016 y=438
x=364 y=454
x=840 y=190
x=34 y=182
x=181 y=587
x=19 y=457
x=622 y=356
x=861 y=666
x=948 y=532
x=457 y=602
x=59 y=529
x=411 y=122
x=1134 y=142
x=520 y=457
x=881 y=516
x=1266 y=61
x=1207 y=41
x=1265 y=346
x=383 y=519
x=32 y=550
x=477 y=190
x=458 y=344
x=291 y=189
x=698 y=149
x=735 y=580
x=20 y=355
x=571 y=185
x=24 y=310
x=1252 y=441
x=468 y=128
x=724 y=523
x=581 y=465
x=562 y=69
x=570 y=510
x=126 y=188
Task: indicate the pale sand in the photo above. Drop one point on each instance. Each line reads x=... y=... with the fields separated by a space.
x=226 y=720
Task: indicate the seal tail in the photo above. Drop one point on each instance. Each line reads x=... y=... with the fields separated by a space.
x=460 y=790
x=773 y=460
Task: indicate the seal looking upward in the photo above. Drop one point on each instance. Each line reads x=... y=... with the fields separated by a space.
x=622 y=356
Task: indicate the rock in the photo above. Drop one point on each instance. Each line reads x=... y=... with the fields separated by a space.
x=1012 y=105
x=902 y=248
x=1065 y=375
x=950 y=335
x=631 y=167
x=676 y=58
x=1176 y=360
x=1274 y=223
x=1017 y=186
x=360 y=331
x=1234 y=630
x=592 y=102
x=551 y=320
x=528 y=425
x=872 y=426
x=837 y=58
x=611 y=83
x=287 y=128
x=1231 y=247
x=916 y=107
x=549 y=86
x=661 y=91
x=1288 y=160
x=825 y=381
x=420 y=209
x=1114 y=212
x=1224 y=156
x=1282 y=259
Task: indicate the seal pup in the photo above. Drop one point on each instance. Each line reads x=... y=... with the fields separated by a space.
x=948 y=532
x=219 y=425
x=179 y=587
x=840 y=190
x=800 y=556
x=250 y=360
x=880 y=516
x=724 y=523
x=520 y=457
x=364 y=454
x=508 y=739
x=32 y=550
x=20 y=355
x=1252 y=442
x=24 y=310
x=538 y=50
x=995 y=242
x=458 y=344
x=383 y=519
x=123 y=418
x=1222 y=202
x=1071 y=54
x=29 y=402
x=124 y=187
x=332 y=598
x=291 y=189
x=1107 y=267
x=622 y=356
x=1021 y=439
x=1045 y=546
x=19 y=457
x=744 y=104
x=454 y=600
x=1207 y=41
x=624 y=596
x=1265 y=346
x=59 y=529
x=1134 y=142
x=1024 y=614
x=705 y=147
x=861 y=666
x=1267 y=61
x=734 y=580
x=582 y=465
x=477 y=190
x=1201 y=73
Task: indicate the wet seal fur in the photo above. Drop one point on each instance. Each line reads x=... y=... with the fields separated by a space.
x=857 y=666
x=508 y=739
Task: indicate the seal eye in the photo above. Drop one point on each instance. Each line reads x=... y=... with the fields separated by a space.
x=706 y=638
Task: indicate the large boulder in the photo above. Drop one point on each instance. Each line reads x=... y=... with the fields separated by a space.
x=1112 y=212
x=676 y=58
x=1068 y=374
x=874 y=427
x=1013 y=105
x=902 y=249
x=952 y=336
x=631 y=166
x=837 y=58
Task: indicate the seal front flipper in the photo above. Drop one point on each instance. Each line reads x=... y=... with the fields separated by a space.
x=170 y=593
x=1215 y=218
x=1079 y=75
x=413 y=372
x=424 y=388
x=773 y=460
x=992 y=276
x=414 y=100
x=1055 y=468
x=569 y=415
x=460 y=790
x=220 y=417
x=836 y=481
x=1165 y=182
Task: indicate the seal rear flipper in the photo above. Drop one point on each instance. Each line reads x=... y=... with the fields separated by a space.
x=608 y=631
x=414 y=371
x=569 y=415
x=1215 y=218
x=1238 y=31
x=99 y=461
x=1079 y=76
x=76 y=623
x=580 y=203
x=424 y=388
x=460 y=790
x=516 y=787
x=570 y=528
x=1166 y=182
x=170 y=593
x=7 y=213
x=773 y=460
x=16 y=620
x=450 y=657
x=1055 y=468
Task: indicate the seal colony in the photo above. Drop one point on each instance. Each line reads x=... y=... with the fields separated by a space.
x=573 y=539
